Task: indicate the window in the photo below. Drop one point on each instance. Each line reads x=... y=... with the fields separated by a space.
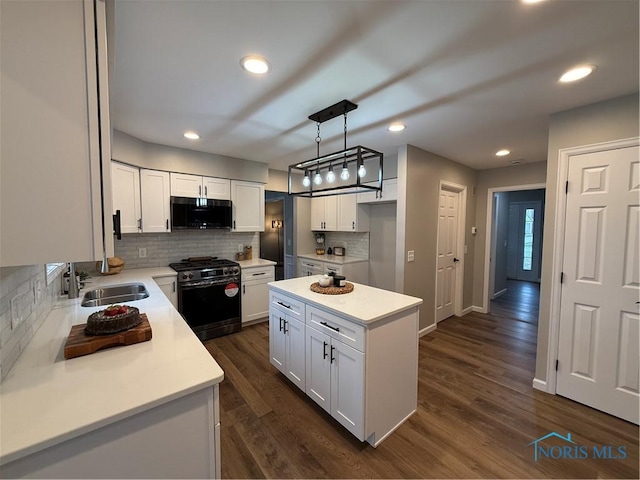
x=528 y=239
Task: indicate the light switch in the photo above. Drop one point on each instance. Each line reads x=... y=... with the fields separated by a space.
x=411 y=254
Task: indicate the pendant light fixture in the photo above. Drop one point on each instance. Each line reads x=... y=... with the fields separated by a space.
x=356 y=157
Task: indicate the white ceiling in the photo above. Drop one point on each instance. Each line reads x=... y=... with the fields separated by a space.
x=467 y=77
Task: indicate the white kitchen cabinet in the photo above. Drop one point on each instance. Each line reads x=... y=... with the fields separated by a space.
x=156 y=201
x=55 y=133
x=357 y=272
x=287 y=343
x=352 y=217
x=125 y=183
x=195 y=186
x=247 y=201
x=388 y=194
x=360 y=353
x=308 y=268
x=168 y=285
x=324 y=213
x=255 y=292
x=335 y=379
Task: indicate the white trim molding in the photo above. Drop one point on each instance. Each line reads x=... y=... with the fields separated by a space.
x=541 y=385
x=427 y=330
x=477 y=309
x=466 y=310
x=557 y=252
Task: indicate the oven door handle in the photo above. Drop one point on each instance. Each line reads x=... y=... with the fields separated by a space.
x=204 y=284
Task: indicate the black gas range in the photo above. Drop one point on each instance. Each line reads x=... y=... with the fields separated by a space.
x=209 y=295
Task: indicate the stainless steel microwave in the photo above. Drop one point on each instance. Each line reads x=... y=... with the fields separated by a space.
x=200 y=213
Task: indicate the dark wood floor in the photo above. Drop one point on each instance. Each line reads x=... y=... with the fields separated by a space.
x=477 y=413
x=520 y=301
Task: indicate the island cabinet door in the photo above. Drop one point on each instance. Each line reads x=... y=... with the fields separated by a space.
x=295 y=346
x=319 y=367
x=277 y=340
x=347 y=387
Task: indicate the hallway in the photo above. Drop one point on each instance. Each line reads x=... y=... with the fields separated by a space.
x=520 y=301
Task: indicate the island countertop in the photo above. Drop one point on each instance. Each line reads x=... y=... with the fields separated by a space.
x=45 y=399
x=364 y=305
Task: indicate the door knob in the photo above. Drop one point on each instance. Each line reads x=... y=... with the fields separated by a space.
x=455 y=260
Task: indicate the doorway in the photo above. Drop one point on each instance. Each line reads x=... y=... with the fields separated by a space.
x=515 y=222
x=275 y=241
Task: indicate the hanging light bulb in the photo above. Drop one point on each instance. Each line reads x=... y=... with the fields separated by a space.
x=331 y=177
x=317 y=179
x=362 y=171
x=344 y=175
x=306 y=181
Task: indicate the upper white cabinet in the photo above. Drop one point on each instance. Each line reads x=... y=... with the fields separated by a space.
x=55 y=133
x=247 y=199
x=156 y=201
x=195 y=186
x=125 y=182
x=388 y=194
x=324 y=213
x=351 y=216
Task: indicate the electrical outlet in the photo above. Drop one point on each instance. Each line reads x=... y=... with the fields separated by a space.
x=411 y=255
x=37 y=291
x=142 y=252
x=16 y=319
x=465 y=249
x=240 y=248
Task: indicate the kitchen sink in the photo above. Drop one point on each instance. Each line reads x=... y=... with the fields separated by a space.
x=126 y=292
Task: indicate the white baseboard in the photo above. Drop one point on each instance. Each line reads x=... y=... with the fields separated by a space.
x=477 y=309
x=497 y=294
x=427 y=330
x=540 y=385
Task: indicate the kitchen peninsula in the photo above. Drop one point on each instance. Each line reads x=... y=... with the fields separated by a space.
x=148 y=410
x=354 y=354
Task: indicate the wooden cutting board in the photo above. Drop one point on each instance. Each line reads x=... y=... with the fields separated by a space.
x=79 y=343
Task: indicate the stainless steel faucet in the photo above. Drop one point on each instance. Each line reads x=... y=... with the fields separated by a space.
x=73 y=283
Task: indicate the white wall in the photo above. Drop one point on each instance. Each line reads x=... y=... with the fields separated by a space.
x=382 y=246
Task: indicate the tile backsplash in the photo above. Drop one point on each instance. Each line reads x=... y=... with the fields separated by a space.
x=165 y=248
x=32 y=299
x=355 y=244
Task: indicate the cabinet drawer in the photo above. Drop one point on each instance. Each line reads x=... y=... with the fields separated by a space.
x=288 y=305
x=311 y=264
x=333 y=267
x=347 y=332
x=258 y=273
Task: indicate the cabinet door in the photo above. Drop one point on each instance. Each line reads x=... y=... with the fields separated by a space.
x=156 y=199
x=331 y=213
x=50 y=187
x=347 y=213
x=168 y=287
x=255 y=300
x=332 y=268
x=216 y=188
x=247 y=200
x=277 y=339
x=183 y=185
x=347 y=387
x=318 y=368
x=295 y=330
x=317 y=213
x=125 y=187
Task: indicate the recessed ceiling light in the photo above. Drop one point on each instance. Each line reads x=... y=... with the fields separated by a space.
x=502 y=153
x=577 y=73
x=531 y=1
x=191 y=135
x=255 y=64
x=396 y=127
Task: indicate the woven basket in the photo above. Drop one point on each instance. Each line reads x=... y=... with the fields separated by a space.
x=116 y=265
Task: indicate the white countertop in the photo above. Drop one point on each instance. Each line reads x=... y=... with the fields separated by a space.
x=340 y=260
x=46 y=399
x=255 y=262
x=365 y=305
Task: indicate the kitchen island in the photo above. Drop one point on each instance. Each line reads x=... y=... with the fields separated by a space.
x=148 y=410
x=354 y=354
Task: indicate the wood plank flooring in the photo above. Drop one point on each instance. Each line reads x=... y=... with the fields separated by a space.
x=477 y=414
x=520 y=301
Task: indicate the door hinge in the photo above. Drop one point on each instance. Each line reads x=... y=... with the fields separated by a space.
x=561 y=277
x=557 y=364
x=566 y=187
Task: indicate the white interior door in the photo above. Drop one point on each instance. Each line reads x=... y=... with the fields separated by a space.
x=447 y=253
x=599 y=323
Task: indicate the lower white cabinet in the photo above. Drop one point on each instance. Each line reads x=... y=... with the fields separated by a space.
x=169 y=287
x=255 y=292
x=365 y=376
x=287 y=346
x=335 y=379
